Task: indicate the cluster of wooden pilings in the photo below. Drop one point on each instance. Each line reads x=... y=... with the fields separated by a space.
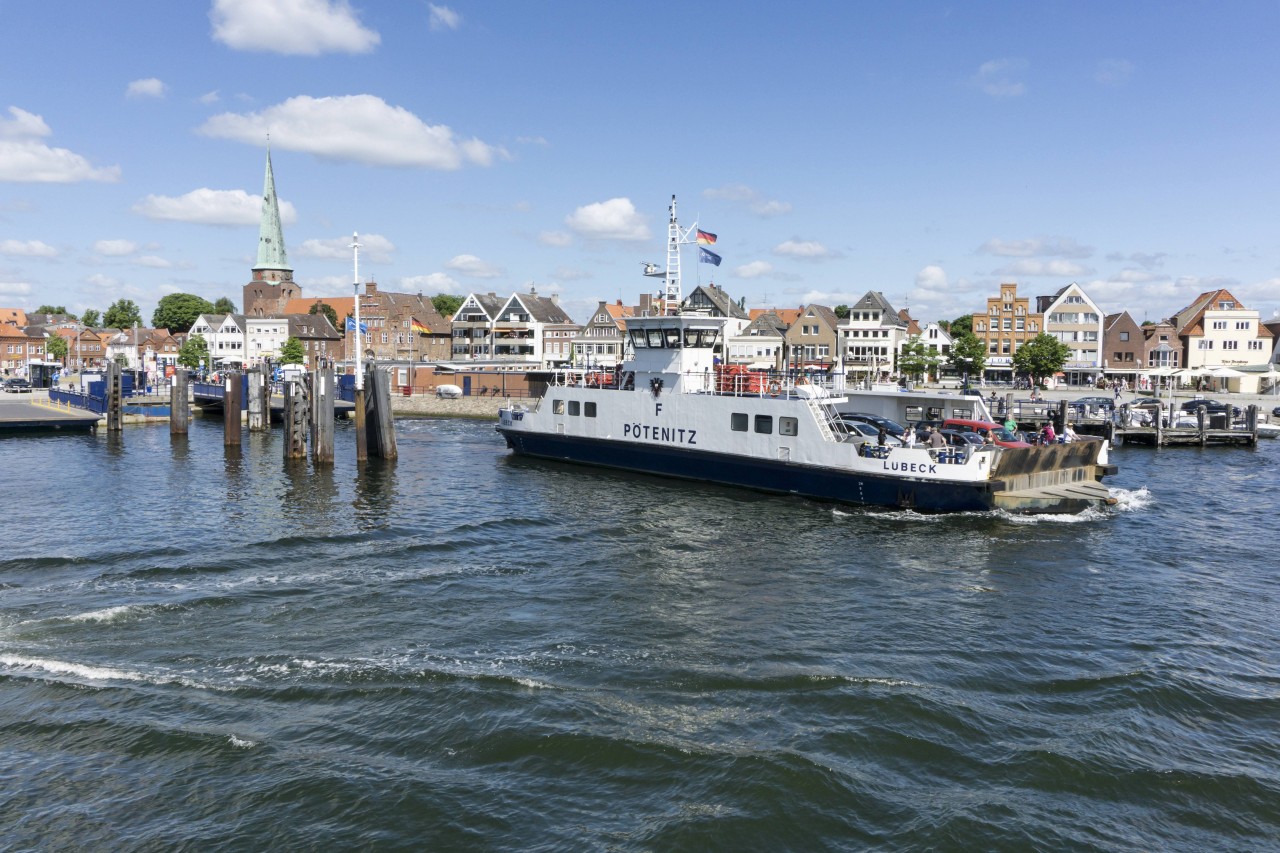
x=308 y=410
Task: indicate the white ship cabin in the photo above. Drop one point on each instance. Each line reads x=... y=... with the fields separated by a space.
x=674 y=353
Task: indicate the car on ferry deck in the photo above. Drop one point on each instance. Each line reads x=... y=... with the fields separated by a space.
x=1000 y=435
x=892 y=427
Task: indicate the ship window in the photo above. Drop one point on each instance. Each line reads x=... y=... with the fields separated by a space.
x=914 y=413
x=589 y=410
x=575 y=408
x=637 y=338
x=738 y=422
x=673 y=338
x=764 y=424
x=655 y=338
x=557 y=407
x=787 y=426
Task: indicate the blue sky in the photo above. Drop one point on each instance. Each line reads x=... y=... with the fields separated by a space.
x=925 y=150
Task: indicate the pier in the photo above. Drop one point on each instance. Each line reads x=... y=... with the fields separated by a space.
x=37 y=415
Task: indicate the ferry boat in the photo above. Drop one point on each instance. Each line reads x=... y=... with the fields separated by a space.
x=672 y=409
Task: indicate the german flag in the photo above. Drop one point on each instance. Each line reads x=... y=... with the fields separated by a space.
x=705 y=238
x=417 y=326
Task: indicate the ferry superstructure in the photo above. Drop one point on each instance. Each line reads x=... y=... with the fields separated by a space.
x=672 y=409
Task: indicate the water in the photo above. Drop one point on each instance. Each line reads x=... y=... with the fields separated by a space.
x=202 y=649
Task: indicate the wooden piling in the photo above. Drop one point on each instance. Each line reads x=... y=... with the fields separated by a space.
x=295 y=422
x=179 y=403
x=115 y=398
x=259 y=413
x=381 y=425
x=362 y=436
x=322 y=404
x=231 y=403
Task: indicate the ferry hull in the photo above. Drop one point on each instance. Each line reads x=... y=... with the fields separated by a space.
x=761 y=475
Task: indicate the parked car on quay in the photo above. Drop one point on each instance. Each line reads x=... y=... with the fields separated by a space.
x=17 y=385
x=1212 y=407
x=1093 y=403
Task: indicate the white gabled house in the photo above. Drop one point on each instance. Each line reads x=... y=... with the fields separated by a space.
x=225 y=336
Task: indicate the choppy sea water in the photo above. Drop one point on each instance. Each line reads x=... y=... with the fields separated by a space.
x=203 y=649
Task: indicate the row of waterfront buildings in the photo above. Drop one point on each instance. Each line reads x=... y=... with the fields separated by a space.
x=1215 y=334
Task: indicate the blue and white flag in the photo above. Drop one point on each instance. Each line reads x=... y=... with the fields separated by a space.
x=351 y=325
x=706 y=256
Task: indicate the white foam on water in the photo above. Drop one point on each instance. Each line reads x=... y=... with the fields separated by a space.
x=76 y=670
x=109 y=614
x=242 y=743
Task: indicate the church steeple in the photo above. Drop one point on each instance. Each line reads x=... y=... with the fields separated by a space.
x=271 y=253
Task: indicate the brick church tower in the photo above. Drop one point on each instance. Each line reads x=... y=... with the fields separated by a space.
x=272 y=286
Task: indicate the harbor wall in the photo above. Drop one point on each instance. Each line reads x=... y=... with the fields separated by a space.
x=429 y=405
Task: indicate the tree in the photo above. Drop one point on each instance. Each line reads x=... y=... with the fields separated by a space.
x=962 y=325
x=178 y=311
x=968 y=354
x=122 y=314
x=91 y=317
x=56 y=347
x=224 y=305
x=915 y=359
x=1042 y=356
x=842 y=311
x=447 y=304
x=55 y=309
x=292 y=352
x=193 y=352
x=326 y=310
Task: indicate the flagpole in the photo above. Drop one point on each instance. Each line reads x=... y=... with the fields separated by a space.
x=362 y=444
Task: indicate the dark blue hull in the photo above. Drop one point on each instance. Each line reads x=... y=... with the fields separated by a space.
x=762 y=475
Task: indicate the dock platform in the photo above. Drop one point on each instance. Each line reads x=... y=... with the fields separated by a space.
x=28 y=415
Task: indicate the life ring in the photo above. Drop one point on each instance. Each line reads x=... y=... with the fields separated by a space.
x=774 y=388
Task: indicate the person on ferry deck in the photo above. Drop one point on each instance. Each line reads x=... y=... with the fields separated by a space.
x=936 y=439
x=1047 y=435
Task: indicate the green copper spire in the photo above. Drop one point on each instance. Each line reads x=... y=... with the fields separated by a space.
x=271 y=254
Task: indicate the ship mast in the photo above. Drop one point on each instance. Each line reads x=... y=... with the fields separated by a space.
x=673 y=296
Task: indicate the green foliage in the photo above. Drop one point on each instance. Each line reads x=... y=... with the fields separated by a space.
x=292 y=352
x=122 y=314
x=968 y=354
x=91 y=317
x=1043 y=355
x=224 y=306
x=842 y=311
x=447 y=304
x=177 y=311
x=56 y=346
x=326 y=310
x=915 y=359
x=193 y=352
x=962 y=325
x=55 y=309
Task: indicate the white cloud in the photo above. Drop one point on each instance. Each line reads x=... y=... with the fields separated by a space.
x=754 y=269
x=374 y=247
x=932 y=278
x=563 y=273
x=804 y=249
x=615 y=219
x=431 y=283
x=472 y=267
x=25 y=160
x=1134 y=276
x=115 y=248
x=750 y=199
x=996 y=78
x=1113 y=72
x=1045 y=247
x=443 y=18
x=359 y=128
x=533 y=140
x=558 y=239
x=1057 y=267
x=151 y=87
x=291 y=27
x=210 y=97
x=104 y=282
x=27 y=249
x=211 y=207
x=15 y=288
x=154 y=262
